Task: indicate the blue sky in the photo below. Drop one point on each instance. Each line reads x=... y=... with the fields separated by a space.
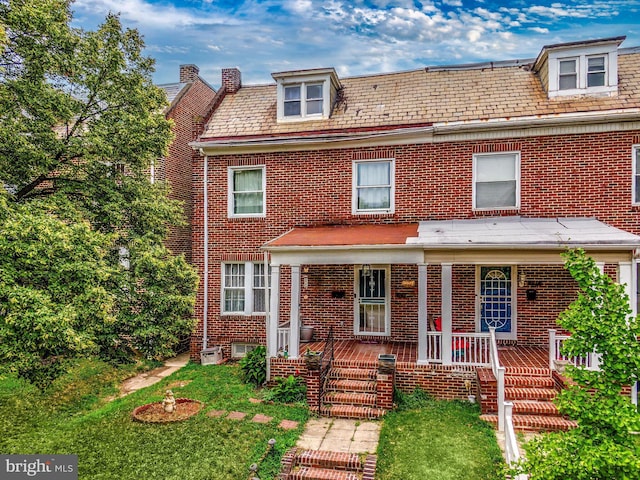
x=355 y=37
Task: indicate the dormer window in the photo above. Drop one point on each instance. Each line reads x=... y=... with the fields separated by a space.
x=580 y=68
x=568 y=74
x=596 y=72
x=306 y=95
x=303 y=100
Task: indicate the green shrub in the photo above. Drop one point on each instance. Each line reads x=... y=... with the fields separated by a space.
x=254 y=366
x=410 y=401
x=287 y=390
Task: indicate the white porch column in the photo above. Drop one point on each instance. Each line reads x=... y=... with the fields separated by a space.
x=294 y=317
x=274 y=312
x=447 y=305
x=422 y=313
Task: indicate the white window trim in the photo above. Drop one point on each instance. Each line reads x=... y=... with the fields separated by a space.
x=230 y=197
x=635 y=151
x=475 y=169
x=248 y=290
x=387 y=308
x=610 y=54
x=354 y=188
x=303 y=83
x=513 y=335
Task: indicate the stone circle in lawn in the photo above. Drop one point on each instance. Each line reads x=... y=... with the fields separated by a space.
x=154 y=412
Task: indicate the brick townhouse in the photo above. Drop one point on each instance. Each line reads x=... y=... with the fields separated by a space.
x=417 y=215
x=189 y=101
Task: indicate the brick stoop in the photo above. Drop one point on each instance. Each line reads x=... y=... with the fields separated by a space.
x=531 y=390
x=351 y=393
x=301 y=464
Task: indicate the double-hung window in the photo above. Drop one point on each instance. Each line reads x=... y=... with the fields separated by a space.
x=496 y=181
x=636 y=174
x=243 y=288
x=373 y=186
x=303 y=100
x=596 y=71
x=247 y=188
x=568 y=74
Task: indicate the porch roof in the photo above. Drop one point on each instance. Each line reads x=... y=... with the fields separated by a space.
x=345 y=236
x=518 y=232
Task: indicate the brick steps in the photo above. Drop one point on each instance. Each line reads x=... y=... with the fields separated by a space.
x=351 y=393
x=534 y=423
x=531 y=390
x=300 y=464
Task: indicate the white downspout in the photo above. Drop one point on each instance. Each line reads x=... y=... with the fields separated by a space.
x=205 y=281
x=267 y=301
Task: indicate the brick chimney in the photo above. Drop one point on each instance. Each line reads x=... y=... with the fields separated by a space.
x=231 y=81
x=188 y=73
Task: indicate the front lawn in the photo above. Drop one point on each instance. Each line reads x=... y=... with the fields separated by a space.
x=74 y=419
x=438 y=440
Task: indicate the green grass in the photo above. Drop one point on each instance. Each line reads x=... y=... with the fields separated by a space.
x=73 y=418
x=438 y=440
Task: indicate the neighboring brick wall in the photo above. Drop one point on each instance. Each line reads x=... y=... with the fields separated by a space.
x=570 y=175
x=176 y=168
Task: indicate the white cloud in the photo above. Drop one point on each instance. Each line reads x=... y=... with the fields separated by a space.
x=144 y=14
x=539 y=30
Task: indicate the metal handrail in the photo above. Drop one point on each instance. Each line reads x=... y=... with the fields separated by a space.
x=326 y=359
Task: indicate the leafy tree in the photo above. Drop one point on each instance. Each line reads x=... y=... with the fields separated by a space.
x=602 y=446
x=80 y=124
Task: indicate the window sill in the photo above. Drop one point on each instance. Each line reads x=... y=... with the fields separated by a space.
x=260 y=218
x=496 y=212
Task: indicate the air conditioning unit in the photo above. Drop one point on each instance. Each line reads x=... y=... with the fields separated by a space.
x=211 y=356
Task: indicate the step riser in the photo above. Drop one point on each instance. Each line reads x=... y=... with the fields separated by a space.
x=541 y=394
x=352 y=374
x=350 y=386
x=360 y=399
x=526 y=382
x=330 y=460
x=353 y=412
x=308 y=473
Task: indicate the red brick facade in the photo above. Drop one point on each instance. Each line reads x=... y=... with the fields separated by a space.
x=577 y=175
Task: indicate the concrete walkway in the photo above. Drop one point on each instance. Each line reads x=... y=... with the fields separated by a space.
x=151 y=377
x=340 y=435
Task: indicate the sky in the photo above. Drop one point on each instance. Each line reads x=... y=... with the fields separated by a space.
x=357 y=37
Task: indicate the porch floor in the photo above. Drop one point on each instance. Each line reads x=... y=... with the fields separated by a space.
x=357 y=351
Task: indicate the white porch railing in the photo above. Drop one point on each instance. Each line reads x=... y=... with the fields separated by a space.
x=466 y=348
x=434 y=347
x=590 y=362
x=283 y=337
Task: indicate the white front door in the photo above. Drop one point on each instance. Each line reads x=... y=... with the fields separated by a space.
x=372 y=301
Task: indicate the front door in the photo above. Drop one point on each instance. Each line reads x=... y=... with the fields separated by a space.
x=372 y=301
x=496 y=302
